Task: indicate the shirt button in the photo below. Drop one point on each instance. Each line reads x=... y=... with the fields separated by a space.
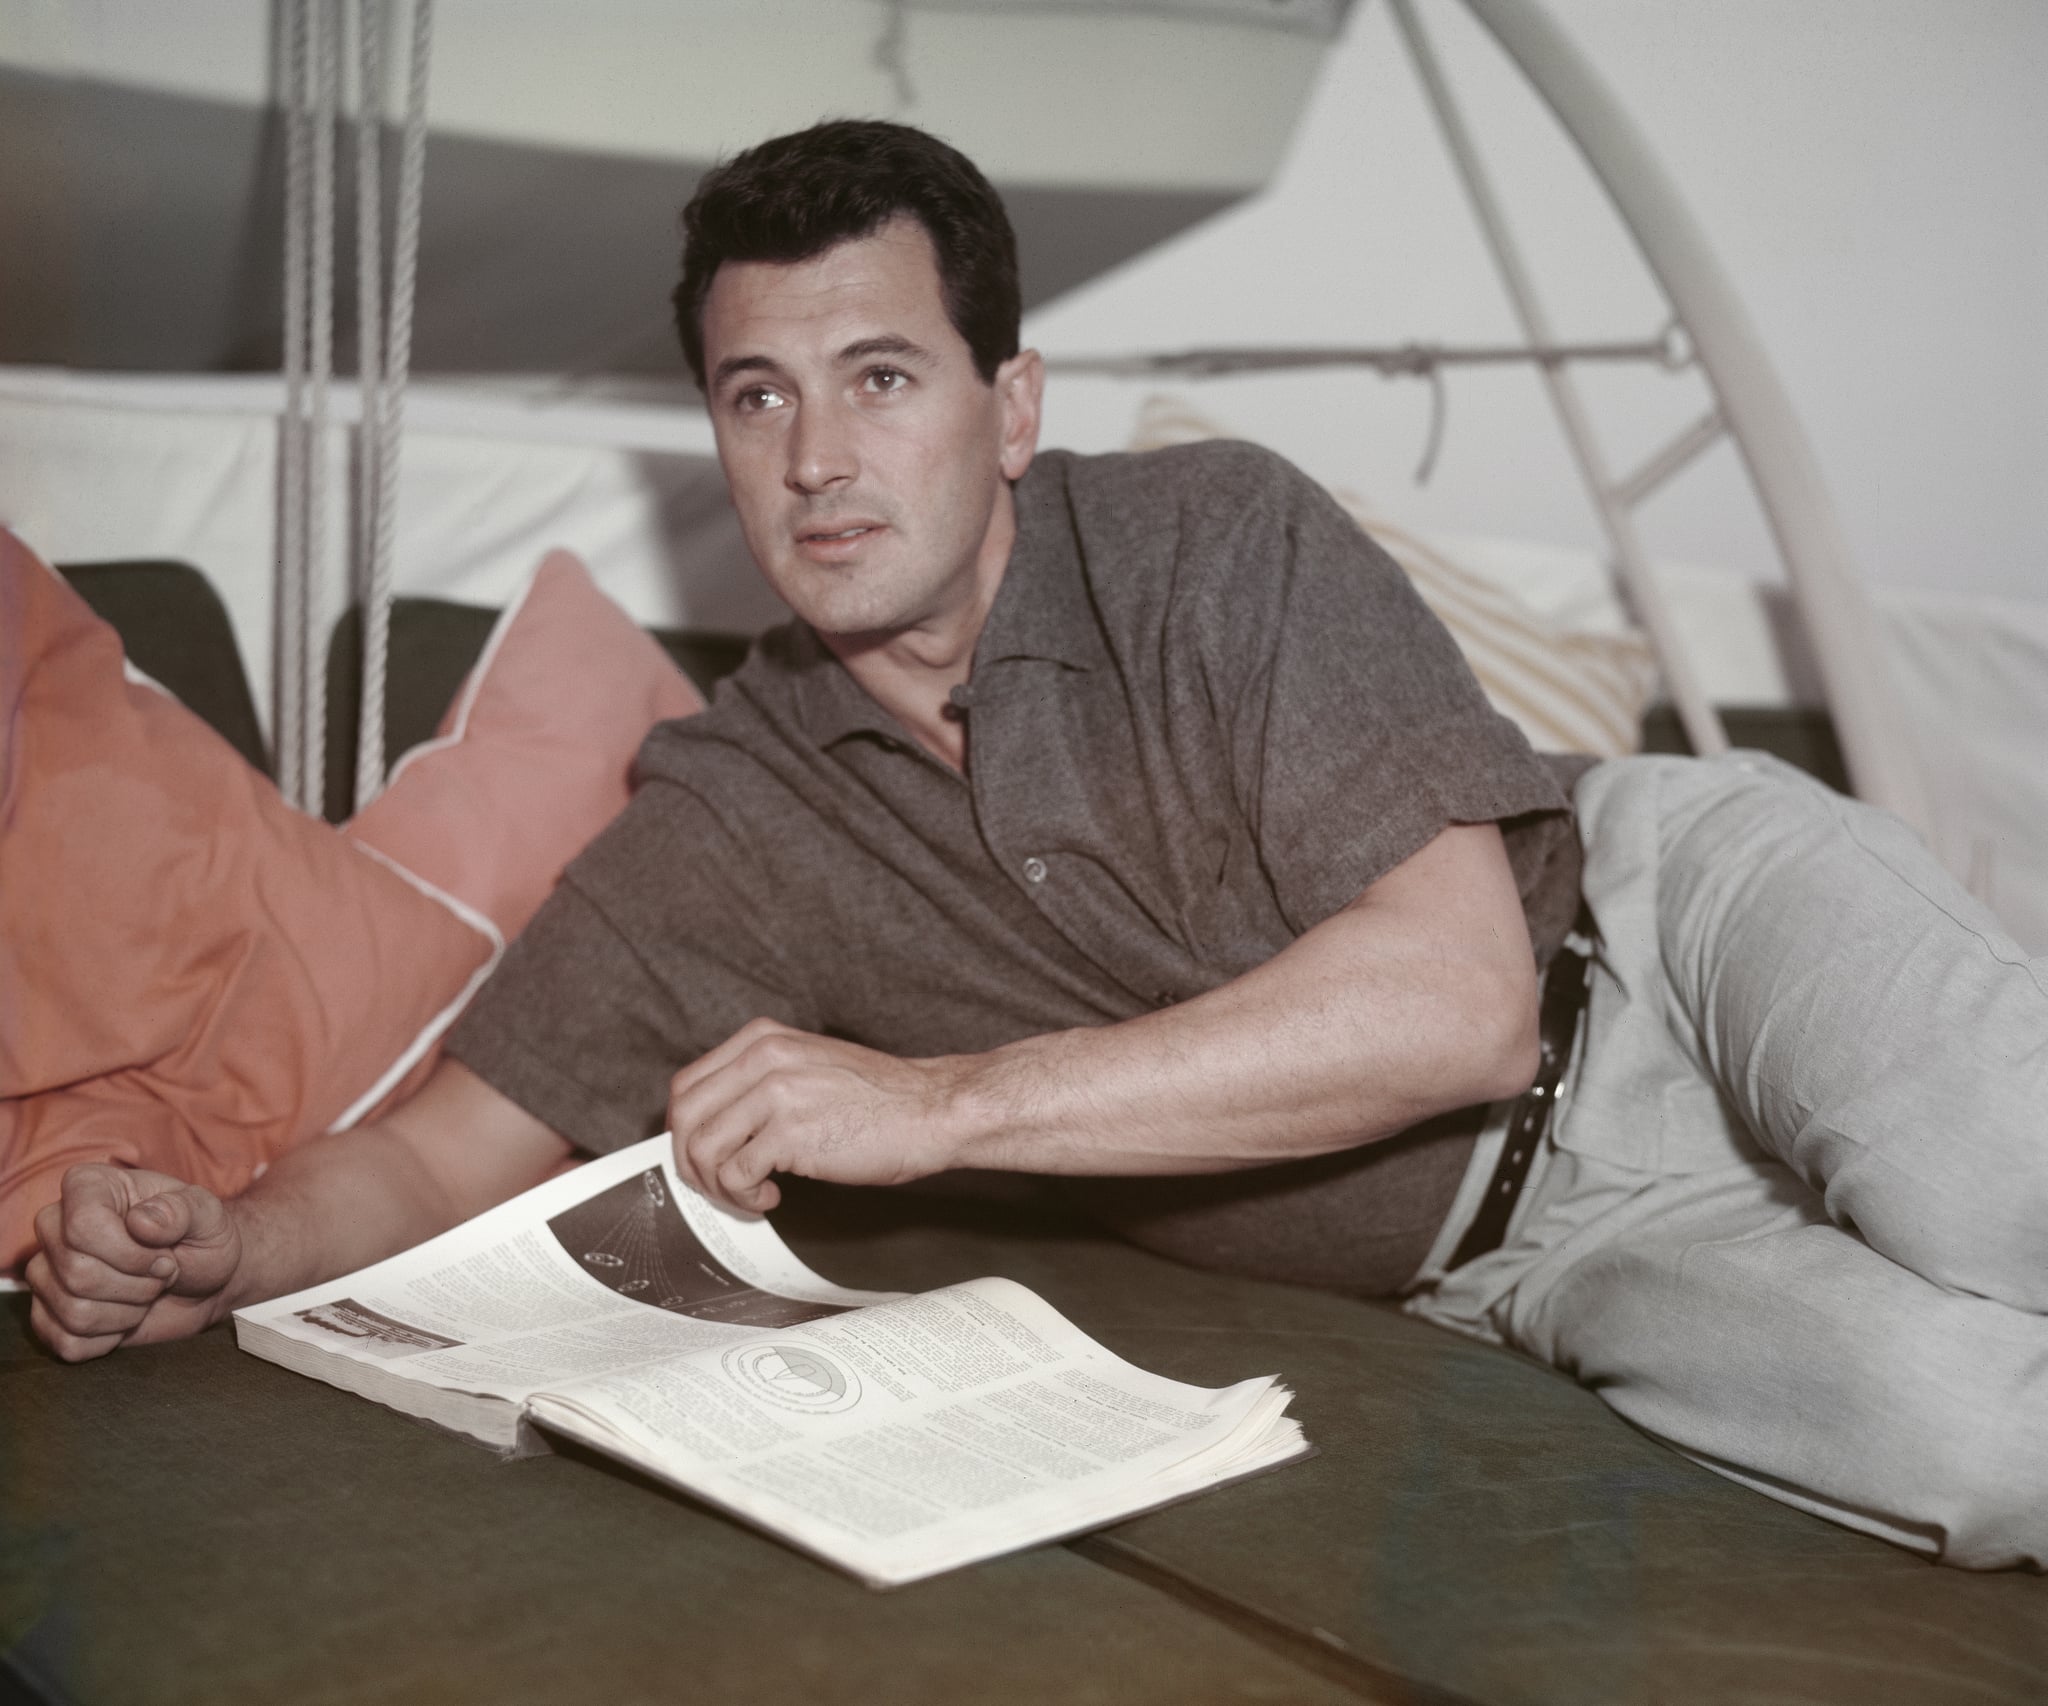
x=1034 y=869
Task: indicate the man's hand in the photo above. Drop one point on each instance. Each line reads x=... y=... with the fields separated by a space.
x=129 y=1257
x=770 y=1099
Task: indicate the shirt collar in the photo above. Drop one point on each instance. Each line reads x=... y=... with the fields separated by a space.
x=830 y=704
x=1042 y=610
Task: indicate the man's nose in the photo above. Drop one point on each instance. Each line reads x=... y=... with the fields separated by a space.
x=822 y=451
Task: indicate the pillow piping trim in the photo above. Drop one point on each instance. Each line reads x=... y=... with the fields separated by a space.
x=472 y=687
x=432 y=1031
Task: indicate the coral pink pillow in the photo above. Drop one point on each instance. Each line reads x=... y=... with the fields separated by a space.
x=533 y=757
x=193 y=976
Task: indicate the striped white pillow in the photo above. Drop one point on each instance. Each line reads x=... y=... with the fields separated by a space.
x=1569 y=690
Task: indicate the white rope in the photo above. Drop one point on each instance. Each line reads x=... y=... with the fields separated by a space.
x=326 y=103
x=290 y=624
x=390 y=412
x=369 y=370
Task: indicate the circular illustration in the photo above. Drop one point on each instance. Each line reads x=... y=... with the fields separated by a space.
x=795 y=1376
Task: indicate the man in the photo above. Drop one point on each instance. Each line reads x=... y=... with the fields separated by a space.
x=1127 y=819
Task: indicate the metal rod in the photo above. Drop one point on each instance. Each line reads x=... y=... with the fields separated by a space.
x=1391 y=359
x=1848 y=645
x=1706 y=432
x=1702 y=724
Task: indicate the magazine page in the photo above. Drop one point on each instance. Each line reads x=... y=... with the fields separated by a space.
x=612 y=1264
x=926 y=1432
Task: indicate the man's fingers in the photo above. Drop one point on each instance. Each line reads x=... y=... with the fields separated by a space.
x=693 y=1116
x=759 y=1199
x=84 y=1275
x=90 y=1216
x=69 y=1345
x=74 y=1326
x=728 y=1051
x=759 y=1052
x=745 y=1177
x=702 y=1151
x=90 y=1318
x=713 y=1144
x=773 y=1099
x=183 y=1215
x=702 y=1098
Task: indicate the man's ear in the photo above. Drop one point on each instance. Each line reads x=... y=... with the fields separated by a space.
x=1020 y=394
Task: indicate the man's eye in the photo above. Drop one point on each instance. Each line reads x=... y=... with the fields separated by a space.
x=885 y=379
x=755 y=398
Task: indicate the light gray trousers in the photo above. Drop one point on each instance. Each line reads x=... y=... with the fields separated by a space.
x=1793 y=1214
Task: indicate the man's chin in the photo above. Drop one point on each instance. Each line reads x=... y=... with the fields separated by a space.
x=845 y=608
x=851 y=636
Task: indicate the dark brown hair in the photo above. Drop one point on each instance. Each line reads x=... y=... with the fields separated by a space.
x=793 y=197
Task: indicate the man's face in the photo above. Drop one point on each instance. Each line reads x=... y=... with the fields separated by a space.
x=866 y=457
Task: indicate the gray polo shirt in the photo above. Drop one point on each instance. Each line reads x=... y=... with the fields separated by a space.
x=1204 y=714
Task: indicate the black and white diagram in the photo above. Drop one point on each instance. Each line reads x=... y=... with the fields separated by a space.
x=634 y=1239
x=795 y=1376
x=380 y=1335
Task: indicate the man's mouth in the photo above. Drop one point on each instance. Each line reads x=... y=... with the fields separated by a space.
x=839 y=542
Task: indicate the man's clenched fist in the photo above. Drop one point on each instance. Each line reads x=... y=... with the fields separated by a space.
x=129 y=1257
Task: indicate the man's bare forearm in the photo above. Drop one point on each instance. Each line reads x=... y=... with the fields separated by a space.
x=329 y=1207
x=1385 y=1014
x=343 y=1201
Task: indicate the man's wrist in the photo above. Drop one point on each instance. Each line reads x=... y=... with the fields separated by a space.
x=241 y=1287
x=970 y=1118
x=985 y=1109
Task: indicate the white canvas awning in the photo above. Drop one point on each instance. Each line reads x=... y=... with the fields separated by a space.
x=141 y=164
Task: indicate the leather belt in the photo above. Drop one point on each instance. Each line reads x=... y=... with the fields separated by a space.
x=1557 y=1024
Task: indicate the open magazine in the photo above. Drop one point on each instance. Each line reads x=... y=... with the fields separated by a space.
x=893 y=1436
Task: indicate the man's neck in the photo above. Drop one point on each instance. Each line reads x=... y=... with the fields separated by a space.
x=911 y=674
x=915 y=690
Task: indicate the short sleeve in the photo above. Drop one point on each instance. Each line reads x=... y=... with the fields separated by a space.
x=1356 y=730
x=657 y=945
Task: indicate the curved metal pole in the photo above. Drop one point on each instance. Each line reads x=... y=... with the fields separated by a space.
x=1701 y=722
x=1838 y=615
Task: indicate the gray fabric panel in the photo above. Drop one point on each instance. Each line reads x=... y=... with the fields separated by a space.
x=1800 y=734
x=434 y=643
x=175 y=629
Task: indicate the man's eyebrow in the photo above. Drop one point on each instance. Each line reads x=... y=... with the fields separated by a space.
x=888 y=343
x=741 y=364
x=861 y=349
